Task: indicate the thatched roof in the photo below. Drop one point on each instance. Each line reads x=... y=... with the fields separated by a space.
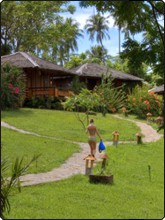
x=95 y=70
x=158 y=89
x=26 y=60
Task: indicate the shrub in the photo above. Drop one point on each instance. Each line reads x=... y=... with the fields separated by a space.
x=85 y=101
x=77 y=85
x=12 y=87
x=140 y=102
x=112 y=98
x=43 y=103
x=7 y=184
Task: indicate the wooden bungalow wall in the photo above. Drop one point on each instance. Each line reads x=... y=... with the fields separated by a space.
x=41 y=84
x=45 y=83
x=92 y=82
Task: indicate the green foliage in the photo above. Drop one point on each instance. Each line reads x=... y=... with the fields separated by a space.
x=5 y=49
x=151 y=25
x=85 y=101
x=97 y=54
x=111 y=98
x=77 y=85
x=43 y=103
x=67 y=31
x=105 y=98
x=156 y=80
x=97 y=25
x=73 y=62
x=135 y=63
x=140 y=102
x=7 y=184
x=38 y=28
x=133 y=195
x=118 y=64
x=12 y=87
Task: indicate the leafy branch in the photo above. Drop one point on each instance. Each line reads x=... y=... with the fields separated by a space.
x=7 y=184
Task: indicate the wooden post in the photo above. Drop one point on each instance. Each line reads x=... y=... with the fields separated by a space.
x=139 y=138
x=56 y=92
x=89 y=164
x=124 y=110
x=149 y=116
x=115 y=138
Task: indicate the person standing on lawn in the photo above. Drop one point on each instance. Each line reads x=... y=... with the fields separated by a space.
x=92 y=130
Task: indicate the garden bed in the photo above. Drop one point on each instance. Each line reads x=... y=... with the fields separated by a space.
x=107 y=179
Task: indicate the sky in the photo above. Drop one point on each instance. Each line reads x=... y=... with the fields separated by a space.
x=112 y=45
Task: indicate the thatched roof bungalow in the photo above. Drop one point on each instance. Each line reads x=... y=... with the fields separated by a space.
x=92 y=73
x=43 y=78
x=158 y=90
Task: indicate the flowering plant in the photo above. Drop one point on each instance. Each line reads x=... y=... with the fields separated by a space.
x=12 y=87
x=140 y=102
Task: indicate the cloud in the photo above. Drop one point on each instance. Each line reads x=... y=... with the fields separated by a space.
x=81 y=16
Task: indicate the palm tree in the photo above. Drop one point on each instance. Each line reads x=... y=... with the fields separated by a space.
x=72 y=33
x=98 y=54
x=65 y=39
x=97 y=25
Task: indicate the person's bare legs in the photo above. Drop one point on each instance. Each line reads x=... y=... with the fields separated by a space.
x=93 y=148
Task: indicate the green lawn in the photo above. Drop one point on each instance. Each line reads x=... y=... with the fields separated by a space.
x=53 y=152
x=135 y=118
x=64 y=125
x=60 y=126
x=132 y=196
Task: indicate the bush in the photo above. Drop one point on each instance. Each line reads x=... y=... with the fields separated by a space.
x=112 y=98
x=140 y=102
x=43 y=103
x=77 y=85
x=12 y=87
x=7 y=184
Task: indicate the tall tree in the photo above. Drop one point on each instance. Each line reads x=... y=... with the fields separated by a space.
x=132 y=51
x=62 y=39
x=97 y=25
x=97 y=54
x=72 y=33
x=139 y=17
x=23 y=23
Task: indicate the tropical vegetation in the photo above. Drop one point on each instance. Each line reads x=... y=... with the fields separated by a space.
x=7 y=184
x=12 y=87
x=56 y=38
x=97 y=25
x=126 y=16
x=140 y=102
x=40 y=28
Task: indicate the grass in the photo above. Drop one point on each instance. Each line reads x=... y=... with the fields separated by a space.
x=53 y=152
x=135 y=118
x=64 y=125
x=132 y=196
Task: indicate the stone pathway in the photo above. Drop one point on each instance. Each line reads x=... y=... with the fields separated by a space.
x=150 y=135
x=76 y=163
